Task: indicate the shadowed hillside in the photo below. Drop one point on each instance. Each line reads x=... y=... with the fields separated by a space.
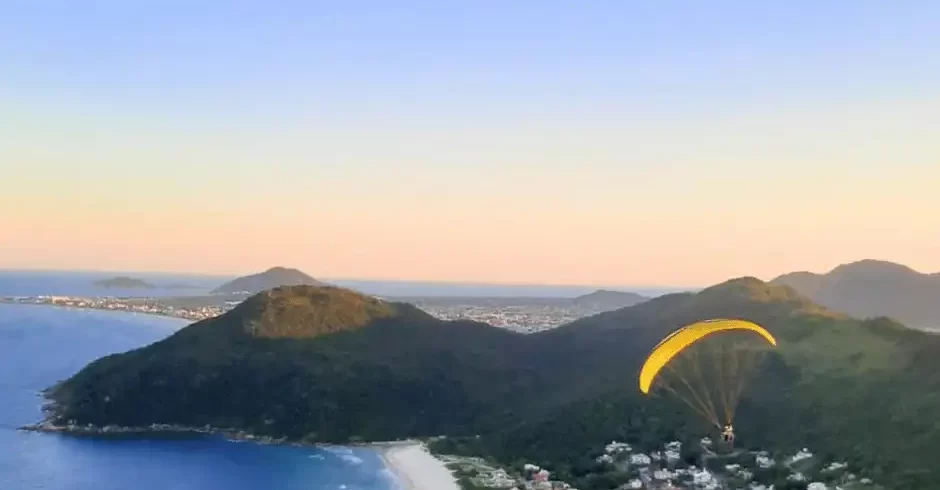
x=320 y=363
x=327 y=364
x=853 y=389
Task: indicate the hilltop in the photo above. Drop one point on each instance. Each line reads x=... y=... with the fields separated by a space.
x=317 y=363
x=330 y=365
x=123 y=282
x=271 y=278
x=310 y=311
x=870 y=288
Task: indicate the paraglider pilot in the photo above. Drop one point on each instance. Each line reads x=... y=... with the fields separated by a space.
x=727 y=434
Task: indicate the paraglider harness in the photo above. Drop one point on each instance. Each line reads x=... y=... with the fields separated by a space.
x=727 y=434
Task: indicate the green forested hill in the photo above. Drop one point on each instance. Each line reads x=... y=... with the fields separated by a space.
x=863 y=391
x=320 y=363
x=327 y=364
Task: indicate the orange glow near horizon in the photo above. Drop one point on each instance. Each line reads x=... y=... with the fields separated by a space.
x=695 y=237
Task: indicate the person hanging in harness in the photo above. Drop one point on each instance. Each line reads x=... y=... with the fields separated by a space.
x=727 y=434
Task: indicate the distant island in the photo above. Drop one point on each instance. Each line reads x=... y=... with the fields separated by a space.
x=870 y=288
x=262 y=281
x=123 y=282
x=325 y=364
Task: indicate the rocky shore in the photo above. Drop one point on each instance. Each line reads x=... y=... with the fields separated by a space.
x=93 y=430
x=171 y=429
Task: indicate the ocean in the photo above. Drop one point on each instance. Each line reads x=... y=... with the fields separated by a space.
x=42 y=344
x=58 y=283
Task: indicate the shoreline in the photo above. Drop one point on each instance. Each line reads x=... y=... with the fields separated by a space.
x=409 y=461
x=230 y=434
x=415 y=468
x=92 y=308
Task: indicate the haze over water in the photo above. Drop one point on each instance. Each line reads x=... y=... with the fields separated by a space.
x=63 y=283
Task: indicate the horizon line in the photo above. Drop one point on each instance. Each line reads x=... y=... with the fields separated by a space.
x=454 y=282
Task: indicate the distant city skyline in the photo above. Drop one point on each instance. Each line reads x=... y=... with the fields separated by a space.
x=663 y=144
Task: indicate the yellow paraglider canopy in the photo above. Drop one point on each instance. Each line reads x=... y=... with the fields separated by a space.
x=729 y=366
x=684 y=337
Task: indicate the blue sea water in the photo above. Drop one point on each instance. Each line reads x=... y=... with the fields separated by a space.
x=40 y=345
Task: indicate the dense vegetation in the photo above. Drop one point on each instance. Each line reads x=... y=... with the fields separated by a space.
x=325 y=364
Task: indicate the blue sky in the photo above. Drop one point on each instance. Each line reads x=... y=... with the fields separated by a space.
x=589 y=113
x=421 y=61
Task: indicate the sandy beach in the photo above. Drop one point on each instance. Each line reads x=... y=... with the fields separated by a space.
x=416 y=469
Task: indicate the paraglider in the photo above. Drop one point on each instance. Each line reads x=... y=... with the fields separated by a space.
x=707 y=365
x=727 y=434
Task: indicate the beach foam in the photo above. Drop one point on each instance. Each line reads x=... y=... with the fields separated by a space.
x=416 y=469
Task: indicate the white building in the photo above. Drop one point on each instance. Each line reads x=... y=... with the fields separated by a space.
x=640 y=459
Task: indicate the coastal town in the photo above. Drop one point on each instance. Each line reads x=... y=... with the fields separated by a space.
x=523 y=318
x=518 y=318
x=618 y=464
x=672 y=466
x=149 y=306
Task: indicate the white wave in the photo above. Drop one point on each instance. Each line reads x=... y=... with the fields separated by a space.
x=416 y=469
x=351 y=458
x=389 y=476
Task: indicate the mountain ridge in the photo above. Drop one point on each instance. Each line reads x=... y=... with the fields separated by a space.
x=541 y=396
x=871 y=288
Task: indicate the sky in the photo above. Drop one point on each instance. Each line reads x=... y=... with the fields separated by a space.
x=610 y=143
